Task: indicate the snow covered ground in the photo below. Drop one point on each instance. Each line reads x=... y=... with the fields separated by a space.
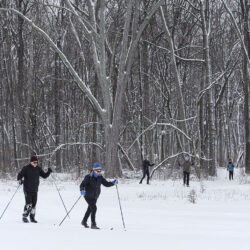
x=157 y=216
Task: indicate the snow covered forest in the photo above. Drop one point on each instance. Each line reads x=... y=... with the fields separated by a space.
x=110 y=81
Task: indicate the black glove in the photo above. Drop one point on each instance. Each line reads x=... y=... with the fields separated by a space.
x=50 y=170
x=20 y=182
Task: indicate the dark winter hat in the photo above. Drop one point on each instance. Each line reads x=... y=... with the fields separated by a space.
x=97 y=166
x=33 y=158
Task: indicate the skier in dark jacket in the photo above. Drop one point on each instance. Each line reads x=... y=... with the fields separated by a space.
x=230 y=169
x=146 y=164
x=91 y=189
x=29 y=177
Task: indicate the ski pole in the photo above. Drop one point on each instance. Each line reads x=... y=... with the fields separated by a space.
x=10 y=201
x=59 y=194
x=70 y=210
x=120 y=207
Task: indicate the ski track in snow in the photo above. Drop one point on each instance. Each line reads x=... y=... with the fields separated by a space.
x=159 y=215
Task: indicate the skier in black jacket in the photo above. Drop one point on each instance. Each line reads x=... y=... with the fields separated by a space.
x=31 y=174
x=146 y=164
x=91 y=189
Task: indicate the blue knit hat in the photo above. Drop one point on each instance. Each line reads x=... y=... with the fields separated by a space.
x=97 y=166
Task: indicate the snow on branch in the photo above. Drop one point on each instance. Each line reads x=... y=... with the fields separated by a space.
x=143 y=132
x=130 y=163
x=169 y=157
x=176 y=155
x=65 y=145
x=141 y=29
x=179 y=57
x=202 y=92
x=176 y=128
x=64 y=59
x=189 y=59
x=237 y=30
x=87 y=31
x=224 y=85
x=158 y=124
x=187 y=119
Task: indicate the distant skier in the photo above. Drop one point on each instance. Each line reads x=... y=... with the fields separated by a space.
x=230 y=169
x=146 y=164
x=186 y=170
x=91 y=188
x=29 y=177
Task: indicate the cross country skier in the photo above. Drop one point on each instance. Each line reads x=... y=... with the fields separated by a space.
x=146 y=164
x=29 y=177
x=230 y=169
x=91 y=188
x=186 y=169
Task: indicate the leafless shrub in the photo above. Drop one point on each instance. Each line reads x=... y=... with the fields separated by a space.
x=192 y=197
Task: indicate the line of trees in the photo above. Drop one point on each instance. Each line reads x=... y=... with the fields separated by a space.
x=113 y=80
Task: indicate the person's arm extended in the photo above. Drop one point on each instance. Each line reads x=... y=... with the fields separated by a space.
x=45 y=175
x=107 y=183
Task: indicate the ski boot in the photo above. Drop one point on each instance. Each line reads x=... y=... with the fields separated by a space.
x=84 y=223
x=94 y=226
x=32 y=218
x=25 y=220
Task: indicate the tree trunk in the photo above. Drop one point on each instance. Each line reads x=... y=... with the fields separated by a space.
x=57 y=88
x=205 y=15
x=246 y=82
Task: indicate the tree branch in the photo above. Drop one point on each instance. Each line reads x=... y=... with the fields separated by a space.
x=237 y=31
x=65 y=61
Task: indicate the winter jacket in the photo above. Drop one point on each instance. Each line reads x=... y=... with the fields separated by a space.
x=146 y=164
x=230 y=166
x=92 y=186
x=31 y=177
x=186 y=166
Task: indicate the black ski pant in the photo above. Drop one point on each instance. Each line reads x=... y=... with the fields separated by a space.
x=231 y=175
x=30 y=204
x=186 y=178
x=145 y=172
x=91 y=210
